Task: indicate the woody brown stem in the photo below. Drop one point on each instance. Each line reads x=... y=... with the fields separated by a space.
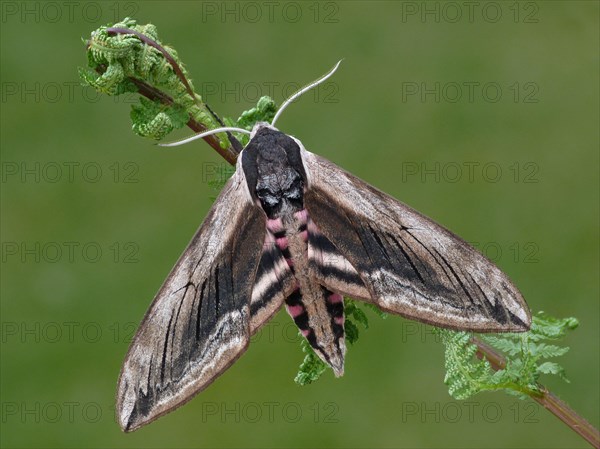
x=152 y=93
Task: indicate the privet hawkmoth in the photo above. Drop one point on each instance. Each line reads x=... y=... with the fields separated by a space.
x=292 y=228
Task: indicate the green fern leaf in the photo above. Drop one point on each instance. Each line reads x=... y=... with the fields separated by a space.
x=466 y=375
x=311 y=368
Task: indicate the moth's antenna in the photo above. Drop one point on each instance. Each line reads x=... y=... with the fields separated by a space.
x=304 y=90
x=228 y=129
x=204 y=134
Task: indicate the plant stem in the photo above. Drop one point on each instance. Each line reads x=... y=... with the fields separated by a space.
x=545 y=398
x=152 y=93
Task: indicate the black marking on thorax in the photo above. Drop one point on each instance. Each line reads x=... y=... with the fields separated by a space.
x=274 y=172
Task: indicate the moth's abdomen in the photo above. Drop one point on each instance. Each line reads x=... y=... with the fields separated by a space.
x=335 y=307
x=318 y=312
x=320 y=320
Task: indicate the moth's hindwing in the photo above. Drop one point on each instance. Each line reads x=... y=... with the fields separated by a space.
x=330 y=268
x=408 y=264
x=273 y=283
x=199 y=323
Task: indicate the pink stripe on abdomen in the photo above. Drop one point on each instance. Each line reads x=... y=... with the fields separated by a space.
x=275 y=225
x=282 y=243
x=334 y=298
x=296 y=310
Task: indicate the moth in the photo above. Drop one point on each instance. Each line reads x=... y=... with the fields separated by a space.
x=291 y=228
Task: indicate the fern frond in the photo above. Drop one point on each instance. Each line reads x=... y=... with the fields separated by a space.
x=466 y=375
x=312 y=367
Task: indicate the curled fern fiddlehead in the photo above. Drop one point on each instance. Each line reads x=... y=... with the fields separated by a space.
x=120 y=54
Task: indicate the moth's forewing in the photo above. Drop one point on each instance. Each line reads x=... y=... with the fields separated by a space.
x=199 y=322
x=408 y=264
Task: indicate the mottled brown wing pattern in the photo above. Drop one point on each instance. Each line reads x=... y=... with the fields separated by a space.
x=199 y=322
x=409 y=264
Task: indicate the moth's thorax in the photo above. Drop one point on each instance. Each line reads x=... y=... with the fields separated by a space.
x=274 y=172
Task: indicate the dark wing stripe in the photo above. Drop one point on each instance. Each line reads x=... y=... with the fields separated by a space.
x=382 y=247
x=330 y=254
x=497 y=311
x=266 y=298
x=341 y=275
x=172 y=349
x=150 y=366
x=408 y=259
x=516 y=320
x=198 y=314
x=391 y=262
x=323 y=243
x=164 y=352
x=217 y=292
x=422 y=260
x=205 y=308
x=488 y=303
x=328 y=266
x=257 y=305
x=433 y=256
x=369 y=259
x=266 y=264
x=400 y=260
x=454 y=274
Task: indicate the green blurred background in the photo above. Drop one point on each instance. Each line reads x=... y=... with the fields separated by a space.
x=75 y=181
